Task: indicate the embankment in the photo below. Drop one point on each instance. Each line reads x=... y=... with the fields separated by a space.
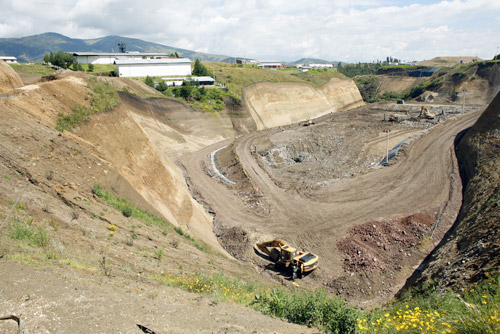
x=9 y=79
x=278 y=104
x=471 y=247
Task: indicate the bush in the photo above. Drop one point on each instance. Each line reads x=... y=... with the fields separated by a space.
x=149 y=81
x=127 y=211
x=311 y=308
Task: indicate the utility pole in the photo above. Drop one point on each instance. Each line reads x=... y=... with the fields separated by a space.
x=387 y=150
x=463 y=102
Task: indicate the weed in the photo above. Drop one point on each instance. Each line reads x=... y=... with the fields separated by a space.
x=174 y=243
x=106 y=270
x=23 y=229
x=46 y=208
x=7 y=177
x=74 y=215
x=164 y=232
x=159 y=254
x=179 y=230
x=54 y=225
x=134 y=235
x=49 y=175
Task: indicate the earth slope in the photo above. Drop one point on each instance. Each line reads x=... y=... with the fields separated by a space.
x=83 y=278
x=8 y=78
x=278 y=104
x=471 y=247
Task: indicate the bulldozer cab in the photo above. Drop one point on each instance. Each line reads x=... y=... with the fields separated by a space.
x=288 y=253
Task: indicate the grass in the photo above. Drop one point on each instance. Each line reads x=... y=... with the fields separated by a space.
x=22 y=228
x=102 y=98
x=236 y=77
x=102 y=69
x=217 y=286
x=312 y=308
x=33 y=68
x=122 y=205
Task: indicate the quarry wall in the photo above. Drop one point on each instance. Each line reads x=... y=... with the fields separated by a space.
x=278 y=104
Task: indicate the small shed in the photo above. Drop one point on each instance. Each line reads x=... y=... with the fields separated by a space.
x=197 y=81
x=8 y=59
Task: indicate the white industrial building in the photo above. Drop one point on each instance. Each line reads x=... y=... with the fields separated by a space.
x=8 y=59
x=197 y=81
x=153 y=67
x=269 y=64
x=104 y=58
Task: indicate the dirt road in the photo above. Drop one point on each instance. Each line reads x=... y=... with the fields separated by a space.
x=419 y=183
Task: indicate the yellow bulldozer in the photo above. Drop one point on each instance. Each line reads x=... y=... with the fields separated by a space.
x=286 y=256
x=425 y=113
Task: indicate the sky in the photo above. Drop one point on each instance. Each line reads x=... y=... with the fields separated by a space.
x=283 y=30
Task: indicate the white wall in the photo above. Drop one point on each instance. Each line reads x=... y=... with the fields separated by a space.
x=153 y=70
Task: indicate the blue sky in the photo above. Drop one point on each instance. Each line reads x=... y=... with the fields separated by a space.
x=344 y=30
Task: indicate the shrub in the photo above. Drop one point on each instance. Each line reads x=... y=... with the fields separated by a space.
x=127 y=211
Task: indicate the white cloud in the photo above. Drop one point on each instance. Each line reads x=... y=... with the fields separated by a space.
x=280 y=29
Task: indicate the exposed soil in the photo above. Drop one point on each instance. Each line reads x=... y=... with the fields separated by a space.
x=313 y=202
x=315 y=187
x=380 y=245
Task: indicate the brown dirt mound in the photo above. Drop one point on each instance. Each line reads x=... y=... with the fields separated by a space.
x=382 y=244
x=9 y=79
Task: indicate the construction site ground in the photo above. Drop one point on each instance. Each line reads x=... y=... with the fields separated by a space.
x=318 y=187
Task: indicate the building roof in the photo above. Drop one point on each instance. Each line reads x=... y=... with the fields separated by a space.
x=8 y=57
x=190 y=79
x=119 y=54
x=152 y=61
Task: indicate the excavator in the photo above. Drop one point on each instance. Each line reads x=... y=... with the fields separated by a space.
x=425 y=113
x=287 y=256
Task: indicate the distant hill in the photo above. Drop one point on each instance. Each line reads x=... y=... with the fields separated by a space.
x=33 y=48
x=308 y=61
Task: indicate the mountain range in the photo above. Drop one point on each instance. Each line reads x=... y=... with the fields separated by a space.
x=33 y=48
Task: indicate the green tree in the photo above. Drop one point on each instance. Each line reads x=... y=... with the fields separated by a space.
x=199 y=69
x=162 y=86
x=91 y=67
x=59 y=58
x=149 y=81
x=176 y=55
x=76 y=66
x=185 y=91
